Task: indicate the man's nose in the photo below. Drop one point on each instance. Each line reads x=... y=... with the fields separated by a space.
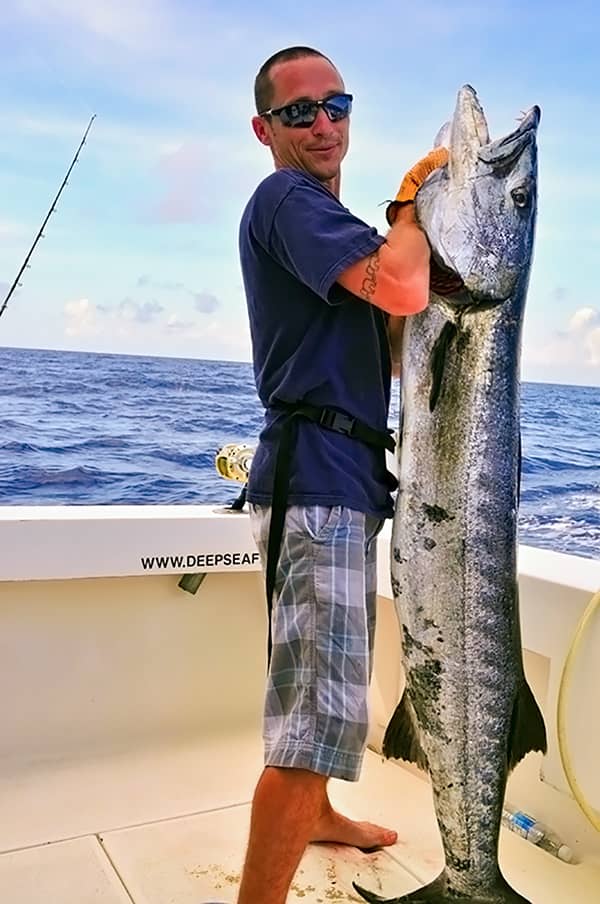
x=322 y=124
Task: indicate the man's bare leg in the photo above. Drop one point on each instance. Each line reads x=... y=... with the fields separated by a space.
x=285 y=810
x=290 y=809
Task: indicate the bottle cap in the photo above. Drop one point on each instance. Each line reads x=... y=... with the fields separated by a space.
x=565 y=853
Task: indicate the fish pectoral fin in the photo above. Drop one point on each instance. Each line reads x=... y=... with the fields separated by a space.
x=401 y=740
x=438 y=360
x=527 y=729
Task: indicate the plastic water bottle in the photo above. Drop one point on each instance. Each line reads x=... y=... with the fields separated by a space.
x=536 y=832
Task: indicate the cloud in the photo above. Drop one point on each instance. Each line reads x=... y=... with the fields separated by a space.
x=559 y=294
x=81 y=318
x=593 y=347
x=146 y=282
x=109 y=139
x=85 y=318
x=583 y=331
x=133 y=24
x=205 y=302
x=9 y=229
x=577 y=345
x=582 y=320
x=131 y=311
x=176 y=324
x=143 y=312
x=166 y=54
x=136 y=328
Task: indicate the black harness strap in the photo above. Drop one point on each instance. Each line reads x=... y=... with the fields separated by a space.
x=339 y=422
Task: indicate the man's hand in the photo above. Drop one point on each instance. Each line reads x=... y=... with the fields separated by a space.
x=414 y=179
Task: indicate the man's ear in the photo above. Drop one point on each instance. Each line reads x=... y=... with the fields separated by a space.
x=261 y=130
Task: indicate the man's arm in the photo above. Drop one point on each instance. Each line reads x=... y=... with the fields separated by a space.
x=396 y=276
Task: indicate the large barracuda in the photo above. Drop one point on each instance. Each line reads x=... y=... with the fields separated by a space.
x=467 y=714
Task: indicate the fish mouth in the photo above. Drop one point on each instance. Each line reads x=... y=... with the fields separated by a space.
x=505 y=151
x=443 y=280
x=469 y=136
x=447 y=284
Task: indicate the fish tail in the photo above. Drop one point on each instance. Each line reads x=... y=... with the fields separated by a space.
x=401 y=740
x=438 y=892
x=527 y=729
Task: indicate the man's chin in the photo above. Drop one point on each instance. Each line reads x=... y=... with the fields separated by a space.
x=324 y=173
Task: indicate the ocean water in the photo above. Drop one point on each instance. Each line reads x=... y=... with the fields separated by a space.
x=80 y=428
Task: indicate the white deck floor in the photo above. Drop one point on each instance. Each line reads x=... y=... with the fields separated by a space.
x=165 y=827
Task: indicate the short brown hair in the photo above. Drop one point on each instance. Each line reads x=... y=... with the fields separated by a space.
x=263 y=86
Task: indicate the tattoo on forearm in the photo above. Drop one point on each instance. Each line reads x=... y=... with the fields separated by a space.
x=370 y=281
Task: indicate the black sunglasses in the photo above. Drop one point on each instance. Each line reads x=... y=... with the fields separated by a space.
x=302 y=113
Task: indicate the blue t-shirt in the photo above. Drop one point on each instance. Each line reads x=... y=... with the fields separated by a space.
x=314 y=341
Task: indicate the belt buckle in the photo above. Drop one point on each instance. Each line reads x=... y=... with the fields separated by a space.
x=338 y=421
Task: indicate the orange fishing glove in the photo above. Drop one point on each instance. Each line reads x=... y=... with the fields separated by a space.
x=414 y=179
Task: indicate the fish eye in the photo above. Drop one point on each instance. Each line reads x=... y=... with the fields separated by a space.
x=520 y=196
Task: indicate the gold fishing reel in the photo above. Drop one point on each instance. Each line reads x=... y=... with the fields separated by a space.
x=233 y=461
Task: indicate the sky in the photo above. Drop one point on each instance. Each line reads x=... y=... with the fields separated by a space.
x=141 y=254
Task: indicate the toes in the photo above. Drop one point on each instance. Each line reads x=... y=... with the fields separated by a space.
x=383 y=839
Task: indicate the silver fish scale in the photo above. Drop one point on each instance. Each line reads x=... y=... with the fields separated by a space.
x=453 y=508
x=454 y=532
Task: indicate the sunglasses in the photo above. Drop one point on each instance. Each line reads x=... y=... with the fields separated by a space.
x=302 y=113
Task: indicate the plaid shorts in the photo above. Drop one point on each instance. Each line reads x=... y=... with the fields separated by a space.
x=323 y=628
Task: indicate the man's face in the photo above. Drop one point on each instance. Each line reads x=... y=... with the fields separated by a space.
x=320 y=148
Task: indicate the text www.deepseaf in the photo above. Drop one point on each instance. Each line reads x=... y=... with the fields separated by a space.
x=203 y=560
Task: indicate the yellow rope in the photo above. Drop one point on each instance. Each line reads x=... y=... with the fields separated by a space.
x=565 y=680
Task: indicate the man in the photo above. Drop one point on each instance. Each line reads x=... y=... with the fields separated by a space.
x=325 y=295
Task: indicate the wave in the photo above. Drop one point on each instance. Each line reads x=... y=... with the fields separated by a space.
x=80 y=428
x=555 y=490
x=539 y=465
x=19 y=447
x=40 y=477
x=104 y=442
x=188 y=460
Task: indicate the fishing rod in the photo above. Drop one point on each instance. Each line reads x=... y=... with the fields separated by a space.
x=48 y=215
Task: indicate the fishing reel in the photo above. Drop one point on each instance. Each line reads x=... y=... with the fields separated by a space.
x=233 y=462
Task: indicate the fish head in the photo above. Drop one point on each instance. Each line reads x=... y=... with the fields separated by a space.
x=479 y=211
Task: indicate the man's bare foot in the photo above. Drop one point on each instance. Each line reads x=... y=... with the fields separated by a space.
x=333 y=827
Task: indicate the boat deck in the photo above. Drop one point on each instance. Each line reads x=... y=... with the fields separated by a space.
x=169 y=826
x=131 y=716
